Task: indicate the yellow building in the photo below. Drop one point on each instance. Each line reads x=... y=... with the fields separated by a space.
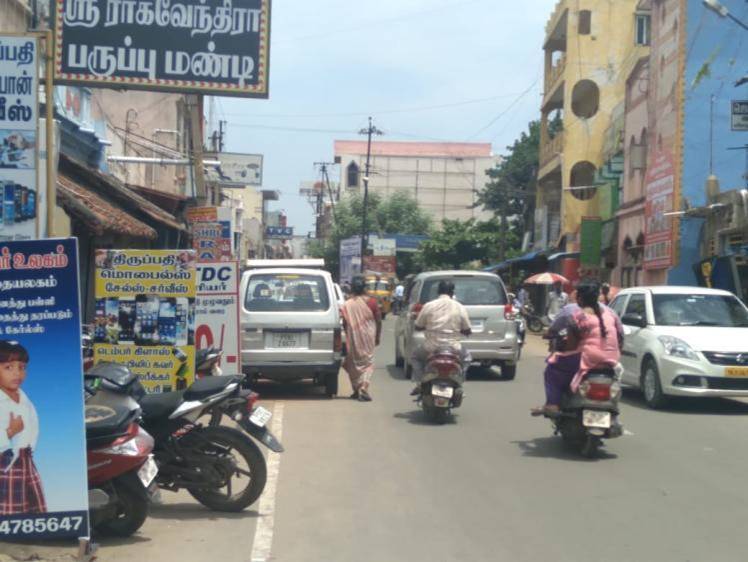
x=590 y=47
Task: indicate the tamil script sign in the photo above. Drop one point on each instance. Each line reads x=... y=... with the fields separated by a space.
x=236 y=170
x=207 y=46
x=217 y=312
x=350 y=258
x=19 y=86
x=279 y=232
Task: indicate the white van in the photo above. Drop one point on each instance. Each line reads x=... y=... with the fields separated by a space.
x=290 y=324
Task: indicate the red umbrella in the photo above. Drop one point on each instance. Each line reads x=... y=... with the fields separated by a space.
x=546 y=278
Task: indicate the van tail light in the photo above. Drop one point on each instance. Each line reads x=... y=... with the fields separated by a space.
x=595 y=391
x=508 y=311
x=416 y=310
x=337 y=345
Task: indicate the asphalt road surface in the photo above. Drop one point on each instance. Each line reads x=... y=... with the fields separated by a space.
x=375 y=482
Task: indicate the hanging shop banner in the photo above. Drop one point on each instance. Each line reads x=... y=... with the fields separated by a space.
x=211 y=233
x=219 y=47
x=145 y=314
x=217 y=312
x=43 y=478
x=659 y=198
x=591 y=231
x=382 y=246
x=350 y=258
x=19 y=146
x=380 y=264
x=279 y=232
x=235 y=170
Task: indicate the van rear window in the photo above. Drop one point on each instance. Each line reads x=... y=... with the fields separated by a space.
x=283 y=292
x=470 y=291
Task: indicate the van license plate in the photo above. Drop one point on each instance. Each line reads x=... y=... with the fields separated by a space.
x=287 y=340
x=593 y=418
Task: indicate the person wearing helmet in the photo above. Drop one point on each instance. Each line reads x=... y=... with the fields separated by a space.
x=585 y=335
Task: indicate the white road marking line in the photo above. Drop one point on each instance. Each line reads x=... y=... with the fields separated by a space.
x=266 y=521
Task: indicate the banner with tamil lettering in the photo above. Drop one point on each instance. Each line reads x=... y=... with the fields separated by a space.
x=219 y=47
x=43 y=476
x=145 y=314
x=217 y=312
x=19 y=147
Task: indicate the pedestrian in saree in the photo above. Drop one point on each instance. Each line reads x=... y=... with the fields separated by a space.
x=363 y=328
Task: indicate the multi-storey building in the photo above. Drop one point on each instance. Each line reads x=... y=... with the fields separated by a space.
x=444 y=178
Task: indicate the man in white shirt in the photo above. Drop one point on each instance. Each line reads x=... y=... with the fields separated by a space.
x=20 y=485
x=443 y=321
x=399 y=294
x=557 y=299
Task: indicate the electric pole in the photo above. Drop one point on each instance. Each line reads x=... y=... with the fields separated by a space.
x=371 y=130
x=326 y=179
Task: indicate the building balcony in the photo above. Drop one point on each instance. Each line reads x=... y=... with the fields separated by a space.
x=555 y=29
x=550 y=148
x=554 y=75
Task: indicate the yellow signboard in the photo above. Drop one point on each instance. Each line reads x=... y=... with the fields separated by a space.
x=145 y=314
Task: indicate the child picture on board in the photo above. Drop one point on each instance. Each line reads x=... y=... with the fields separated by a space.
x=20 y=485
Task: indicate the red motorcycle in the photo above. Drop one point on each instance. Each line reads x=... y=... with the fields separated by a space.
x=121 y=469
x=441 y=385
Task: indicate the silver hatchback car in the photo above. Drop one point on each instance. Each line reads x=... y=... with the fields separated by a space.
x=290 y=323
x=494 y=339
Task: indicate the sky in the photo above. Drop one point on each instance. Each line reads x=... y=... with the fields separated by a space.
x=428 y=70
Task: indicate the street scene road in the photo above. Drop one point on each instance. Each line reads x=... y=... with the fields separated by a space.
x=374 y=481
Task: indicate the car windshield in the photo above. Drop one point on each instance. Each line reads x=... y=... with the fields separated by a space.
x=699 y=310
x=468 y=290
x=283 y=292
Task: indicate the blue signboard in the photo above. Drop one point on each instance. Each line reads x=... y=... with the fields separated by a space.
x=279 y=232
x=43 y=483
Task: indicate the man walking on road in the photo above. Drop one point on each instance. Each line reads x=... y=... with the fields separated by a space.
x=443 y=320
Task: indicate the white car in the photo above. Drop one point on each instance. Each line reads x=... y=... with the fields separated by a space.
x=683 y=341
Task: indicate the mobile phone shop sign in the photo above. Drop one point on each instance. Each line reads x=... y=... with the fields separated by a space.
x=145 y=315
x=205 y=46
x=43 y=483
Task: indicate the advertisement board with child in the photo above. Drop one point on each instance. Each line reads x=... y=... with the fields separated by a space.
x=43 y=484
x=145 y=314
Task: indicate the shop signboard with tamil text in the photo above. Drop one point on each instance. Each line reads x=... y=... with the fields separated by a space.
x=43 y=477
x=145 y=314
x=217 y=312
x=19 y=146
x=659 y=200
x=211 y=233
x=218 y=47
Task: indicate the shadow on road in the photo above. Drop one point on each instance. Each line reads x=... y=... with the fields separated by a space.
x=195 y=512
x=690 y=406
x=554 y=448
x=270 y=390
x=396 y=373
x=417 y=417
x=473 y=374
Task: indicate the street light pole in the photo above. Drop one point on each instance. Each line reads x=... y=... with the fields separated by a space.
x=369 y=131
x=721 y=10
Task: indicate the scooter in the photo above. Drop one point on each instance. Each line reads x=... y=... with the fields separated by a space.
x=121 y=469
x=441 y=385
x=210 y=460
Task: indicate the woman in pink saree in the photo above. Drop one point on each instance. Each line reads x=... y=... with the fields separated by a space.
x=363 y=328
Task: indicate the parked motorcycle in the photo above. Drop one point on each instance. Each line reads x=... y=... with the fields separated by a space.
x=441 y=385
x=590 y=415
x=121 y=469
x=210 y=461
x=535 y=322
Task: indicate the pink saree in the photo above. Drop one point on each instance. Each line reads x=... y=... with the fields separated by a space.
x=361 y=335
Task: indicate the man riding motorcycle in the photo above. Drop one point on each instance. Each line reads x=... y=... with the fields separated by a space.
x=443 y=320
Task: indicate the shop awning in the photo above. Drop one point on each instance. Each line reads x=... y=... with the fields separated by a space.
x=560 y=255
x=521 y=259
x=96 y=213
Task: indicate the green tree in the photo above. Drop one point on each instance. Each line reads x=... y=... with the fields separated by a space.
x=396 y=214
x=510 y=193
x=464 y=244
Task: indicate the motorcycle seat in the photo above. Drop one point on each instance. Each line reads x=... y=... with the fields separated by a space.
x=105 y=424
x=162 y=405
x=209 y=386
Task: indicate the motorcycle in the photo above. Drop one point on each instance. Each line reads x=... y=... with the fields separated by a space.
x=203 y=459
x=590 y=414
x=441 y=385
x=121 y=469
x=535 y=322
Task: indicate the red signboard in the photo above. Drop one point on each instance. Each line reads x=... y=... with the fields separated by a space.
x=660 y=193
x=380 y=264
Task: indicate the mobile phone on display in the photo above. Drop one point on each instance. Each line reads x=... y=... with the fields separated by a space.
x=167 y=321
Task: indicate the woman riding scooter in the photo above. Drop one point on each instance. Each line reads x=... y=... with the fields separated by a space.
x=587 y=335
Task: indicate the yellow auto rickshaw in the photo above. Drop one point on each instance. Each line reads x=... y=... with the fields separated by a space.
x=381 y=289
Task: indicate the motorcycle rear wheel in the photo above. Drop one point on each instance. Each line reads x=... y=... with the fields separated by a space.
x=535 y=325
x=132 y=511
x=590 y=447
x=233 y=440
x=436 y=415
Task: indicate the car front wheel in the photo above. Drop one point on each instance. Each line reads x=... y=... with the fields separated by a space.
x=652 y=387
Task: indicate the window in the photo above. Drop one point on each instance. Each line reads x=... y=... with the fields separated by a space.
x=585 y=99
x=642 y=29
x=618 y=304
x=285 y=292
x=468 y=290
x=699 y=310
x=583 y=177
x=585 y=22
x=637 y=305
x=352 y=174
